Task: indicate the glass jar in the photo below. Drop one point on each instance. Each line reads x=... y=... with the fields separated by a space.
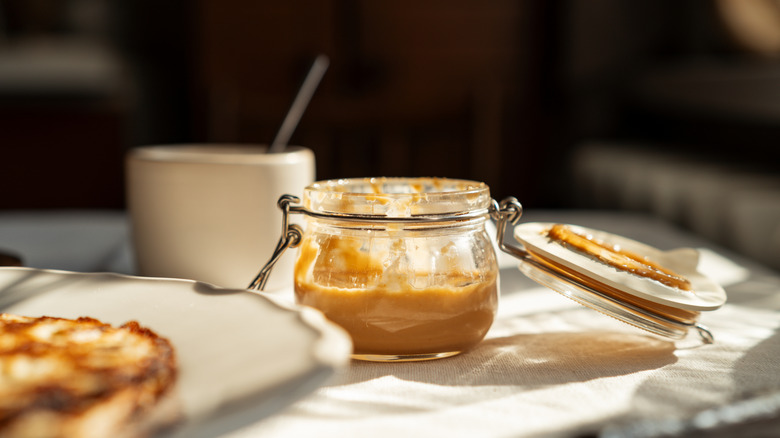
x=404 y=265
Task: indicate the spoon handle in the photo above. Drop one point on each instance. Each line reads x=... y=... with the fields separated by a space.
x=300 y=103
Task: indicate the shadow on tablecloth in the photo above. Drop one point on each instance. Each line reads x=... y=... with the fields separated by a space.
x=530 y=361
x=729 y=388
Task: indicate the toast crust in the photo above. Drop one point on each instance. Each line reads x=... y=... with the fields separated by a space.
x=81 y=377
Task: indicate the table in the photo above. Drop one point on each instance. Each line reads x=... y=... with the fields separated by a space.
x=548 y=367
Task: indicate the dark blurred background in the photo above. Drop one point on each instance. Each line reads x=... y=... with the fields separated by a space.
x=652 y=105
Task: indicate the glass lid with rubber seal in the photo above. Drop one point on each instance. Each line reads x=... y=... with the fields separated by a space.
x=659 y=291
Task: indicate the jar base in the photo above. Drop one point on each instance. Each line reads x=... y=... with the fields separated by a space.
x=403 y=357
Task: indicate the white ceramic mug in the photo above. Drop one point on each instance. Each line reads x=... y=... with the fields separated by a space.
x=208 y=212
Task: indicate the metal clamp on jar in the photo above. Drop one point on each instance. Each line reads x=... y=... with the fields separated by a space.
x=406 y=266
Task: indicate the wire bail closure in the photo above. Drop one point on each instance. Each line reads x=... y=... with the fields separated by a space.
x=505 y=213
x=291 y=238
x=292 y=234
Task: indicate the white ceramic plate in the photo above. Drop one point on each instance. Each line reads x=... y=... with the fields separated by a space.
x=706 y=293
x=242 y=355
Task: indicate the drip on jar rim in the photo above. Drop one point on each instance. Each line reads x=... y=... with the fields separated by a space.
x=396 y=197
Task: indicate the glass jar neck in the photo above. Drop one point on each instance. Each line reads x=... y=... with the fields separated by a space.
x=398 y=199
x=475 y=223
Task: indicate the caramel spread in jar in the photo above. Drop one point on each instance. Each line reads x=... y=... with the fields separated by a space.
x=388 y=316
x=617 y=257
x=403 y=291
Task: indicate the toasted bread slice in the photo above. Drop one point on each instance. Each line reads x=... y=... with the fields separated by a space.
x=81 y=378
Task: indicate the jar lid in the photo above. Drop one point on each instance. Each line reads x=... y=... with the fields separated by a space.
x=659 y=291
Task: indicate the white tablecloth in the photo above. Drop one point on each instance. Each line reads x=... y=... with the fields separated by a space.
x=548 y=367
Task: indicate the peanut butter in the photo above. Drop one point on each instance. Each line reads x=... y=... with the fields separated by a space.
x=617 y=257
x=382 y=309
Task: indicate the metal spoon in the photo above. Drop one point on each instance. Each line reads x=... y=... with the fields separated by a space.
x=300 y=103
